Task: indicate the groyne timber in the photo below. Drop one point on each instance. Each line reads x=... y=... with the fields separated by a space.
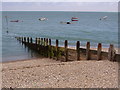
x=44 y=47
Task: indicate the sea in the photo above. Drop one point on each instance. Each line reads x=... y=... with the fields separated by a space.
x=89 y=27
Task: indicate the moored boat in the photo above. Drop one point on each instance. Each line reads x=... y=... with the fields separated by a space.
x=103 y=18
x=74 y=19
x=14 y=21
x=68 y=22
x=43 y=19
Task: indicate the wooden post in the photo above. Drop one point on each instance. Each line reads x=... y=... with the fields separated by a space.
x=36 y=46
x=111 y=53
x=36 y=41
x=50 y=49
x=47 y=47
x=78 y=50
x=31 y=40
x=57 y=51
x=44 y=42
x=88 y=54
x=24 y=39
x=41 y=41
x=41 y=48
x=99 y=49
x=66 y=50
x=28 y=39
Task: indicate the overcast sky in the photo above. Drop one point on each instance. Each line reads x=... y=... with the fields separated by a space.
x=60 y=0
x=60 y=5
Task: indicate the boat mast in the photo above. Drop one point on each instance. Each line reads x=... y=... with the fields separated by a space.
x=7 y=23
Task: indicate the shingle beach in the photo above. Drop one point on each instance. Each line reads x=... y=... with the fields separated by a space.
x=48 y=73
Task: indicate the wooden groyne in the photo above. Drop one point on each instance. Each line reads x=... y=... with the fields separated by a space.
x=44 y=47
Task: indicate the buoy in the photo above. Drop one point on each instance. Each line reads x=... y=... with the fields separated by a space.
x=6 y=31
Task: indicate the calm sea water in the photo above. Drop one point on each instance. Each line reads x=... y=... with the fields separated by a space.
x=88 y=28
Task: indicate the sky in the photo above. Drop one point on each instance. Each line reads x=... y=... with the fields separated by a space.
x=60 y=5
x=60 y=0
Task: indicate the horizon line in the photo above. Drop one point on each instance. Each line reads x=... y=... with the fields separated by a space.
x=60 y=11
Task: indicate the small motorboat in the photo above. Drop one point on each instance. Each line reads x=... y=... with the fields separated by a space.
x=103 y=18
x=14 y=21
x=43 y=19
x=68 y=22
x=74 y=19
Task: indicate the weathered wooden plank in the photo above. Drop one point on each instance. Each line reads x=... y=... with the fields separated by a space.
x=99 y=50
x=24 y=39
x=111 y=53
x=57 y=51
x=66 y=50
x=36 y=41
x=78 y=50
x=41 y=41
x=47 y=48
x=88 y=54
x=50 y=49
x=31 y=41
x=28 y=39
x=44 y=42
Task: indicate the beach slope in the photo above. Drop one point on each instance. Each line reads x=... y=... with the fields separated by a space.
x=48 y=73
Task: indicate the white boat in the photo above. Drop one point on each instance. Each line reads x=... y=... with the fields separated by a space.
x=43 y=19
x=104 y=18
